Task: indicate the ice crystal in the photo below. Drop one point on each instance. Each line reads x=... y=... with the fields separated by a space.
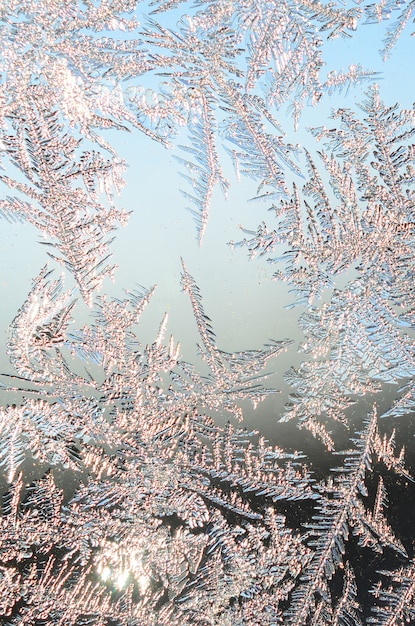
x=133 y=493
x=356 y=340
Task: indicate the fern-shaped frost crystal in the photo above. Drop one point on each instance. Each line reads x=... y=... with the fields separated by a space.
x=132 y=494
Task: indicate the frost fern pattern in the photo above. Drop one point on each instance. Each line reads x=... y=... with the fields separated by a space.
x=176 y=512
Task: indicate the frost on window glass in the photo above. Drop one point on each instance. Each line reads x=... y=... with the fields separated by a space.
x=138 y=486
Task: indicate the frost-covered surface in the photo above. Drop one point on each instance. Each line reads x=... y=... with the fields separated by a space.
x=173 y=517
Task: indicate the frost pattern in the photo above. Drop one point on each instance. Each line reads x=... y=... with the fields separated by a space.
x=175 y=517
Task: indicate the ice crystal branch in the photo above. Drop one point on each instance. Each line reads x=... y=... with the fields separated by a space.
x=174 y=473
x=62 y=189
x=364 y=224
x=174 y=511
x=176 y=516
x=339 y=510
x=397 y=599
x=380 y=11
x=207 y=60
x=100 y=81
